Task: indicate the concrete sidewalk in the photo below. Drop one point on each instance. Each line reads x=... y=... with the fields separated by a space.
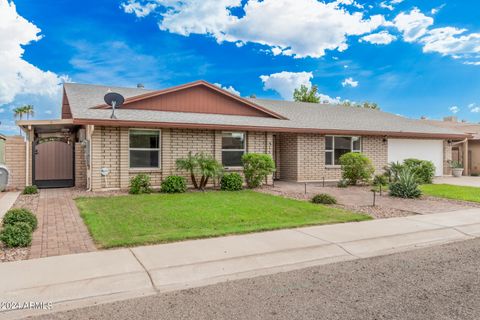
x=7 y=199
x=88 y=278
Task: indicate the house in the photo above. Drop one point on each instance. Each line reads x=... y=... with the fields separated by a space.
x=90 y=149
x=469 y=146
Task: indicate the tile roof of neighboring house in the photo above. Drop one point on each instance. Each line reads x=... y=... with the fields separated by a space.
x=308 y=117
x=472 y=129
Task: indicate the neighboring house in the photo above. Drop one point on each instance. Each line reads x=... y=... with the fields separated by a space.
x=2 y=148
x=470 y=146
x=153 y=129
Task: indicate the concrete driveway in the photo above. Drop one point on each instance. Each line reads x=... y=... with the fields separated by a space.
x=460 y=181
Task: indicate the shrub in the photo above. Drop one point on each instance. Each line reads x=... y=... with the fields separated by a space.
x=199 y=164
x=30 y=190
x=406 y=186
x=140 y=184
x=174 y=184
x=356 y=167
x=231 y=182
x=392 y=170
x=380 y=180
x=342 y=183
x=324 y=198
x=423 y=170
x=256 y=167
x=17 y=215
x=17 y=235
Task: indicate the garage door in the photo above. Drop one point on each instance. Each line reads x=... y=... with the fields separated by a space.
x=432 y=150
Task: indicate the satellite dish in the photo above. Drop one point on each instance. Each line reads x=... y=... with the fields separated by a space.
x=115 y=100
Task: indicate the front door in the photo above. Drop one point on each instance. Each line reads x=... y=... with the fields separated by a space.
x=53 y=164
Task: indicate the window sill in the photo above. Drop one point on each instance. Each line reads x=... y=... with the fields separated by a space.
x=333 y=167
x=145 y=169
x=233 y=168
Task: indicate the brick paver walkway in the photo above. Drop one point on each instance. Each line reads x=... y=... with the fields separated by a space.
x=60 y=228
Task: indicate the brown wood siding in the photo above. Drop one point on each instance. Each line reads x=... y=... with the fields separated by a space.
x=198 y=99
x=53 y=161
x=66 y=112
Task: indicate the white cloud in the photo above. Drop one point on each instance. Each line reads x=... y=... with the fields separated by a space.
x=286 y=82
x=454 y=109
x=413 y=24
x=452 y=41
x=327 y=99
x=17 y=76
x=323 y=26
x=48 y=112
x=230 y=89
x=475 y=110
x=2 y=110
x=382 y=37
x=437 y=9
x=137 y=8
x=390 y=5
x=472 y=63
x=349 y=82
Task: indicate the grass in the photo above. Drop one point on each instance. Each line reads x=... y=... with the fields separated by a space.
x=155 y=218
x=452 y=192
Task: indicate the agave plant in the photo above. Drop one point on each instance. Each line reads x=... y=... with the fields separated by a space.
x=406 y=185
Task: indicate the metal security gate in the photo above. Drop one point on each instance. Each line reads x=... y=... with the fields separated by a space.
x=53 y=165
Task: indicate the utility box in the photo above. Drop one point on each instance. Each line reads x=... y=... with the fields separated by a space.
x=4 y=176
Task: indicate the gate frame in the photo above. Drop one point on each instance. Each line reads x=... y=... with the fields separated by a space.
x=46 y=184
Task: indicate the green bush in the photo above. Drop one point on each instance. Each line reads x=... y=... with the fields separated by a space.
x=423 y=170
x=17 y=215
x=231 y=182
x=380 y=180
x=342 y=183
x=205 y=166
x=17 y=235
x=174 y=184
x=392 y=170
x=256 y=168
x=406 y=185
x=30 y=190
x=324 y=198
x=140 y=184
x=356 y=167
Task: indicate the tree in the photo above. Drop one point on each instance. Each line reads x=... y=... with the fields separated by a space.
x=200 y=164
x=28 y=110
x=303 y=94
x=19 y=112
x=366 y=105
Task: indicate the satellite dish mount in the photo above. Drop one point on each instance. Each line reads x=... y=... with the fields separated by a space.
x=115 y=100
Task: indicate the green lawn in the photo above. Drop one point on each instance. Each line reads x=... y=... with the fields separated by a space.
x=143 y=219
x=452 y=192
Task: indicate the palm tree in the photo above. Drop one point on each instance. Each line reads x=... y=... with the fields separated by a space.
x=28 y=110
x=18 y=112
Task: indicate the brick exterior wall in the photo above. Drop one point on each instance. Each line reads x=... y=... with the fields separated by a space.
x=303 y=157
x=80 y=166
x=110 y=150
x=447 y=158
x=15 y=161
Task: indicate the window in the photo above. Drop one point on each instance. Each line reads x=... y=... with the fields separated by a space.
x=233 y=148
x=144 y=148
x=335 y=147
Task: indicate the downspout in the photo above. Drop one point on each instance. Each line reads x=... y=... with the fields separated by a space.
x=90 y=129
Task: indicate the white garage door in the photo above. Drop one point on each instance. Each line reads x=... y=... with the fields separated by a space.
x=432 y=150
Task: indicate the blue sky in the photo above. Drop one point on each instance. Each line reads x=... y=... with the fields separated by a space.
x=411 y=57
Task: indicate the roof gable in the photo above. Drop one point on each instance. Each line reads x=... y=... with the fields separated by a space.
x=197 y=97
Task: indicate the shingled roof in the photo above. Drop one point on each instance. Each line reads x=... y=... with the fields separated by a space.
x=84 y=100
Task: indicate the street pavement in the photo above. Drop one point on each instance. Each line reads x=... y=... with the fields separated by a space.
x=440 y=282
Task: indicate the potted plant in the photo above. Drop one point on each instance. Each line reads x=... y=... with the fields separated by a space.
x=457 y=169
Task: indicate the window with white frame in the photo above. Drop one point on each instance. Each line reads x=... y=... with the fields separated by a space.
x=336 y=146
x=144 y=148
x=233 y=148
